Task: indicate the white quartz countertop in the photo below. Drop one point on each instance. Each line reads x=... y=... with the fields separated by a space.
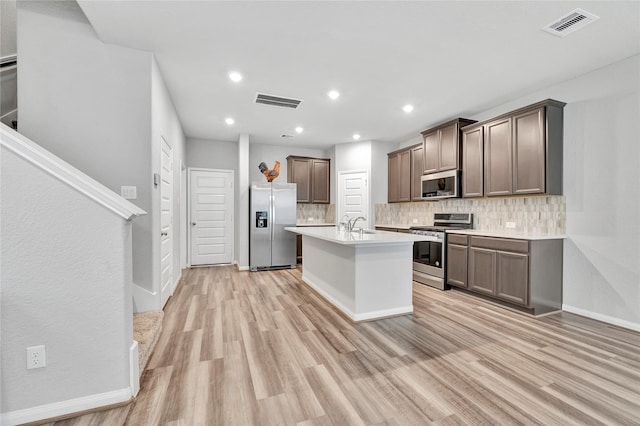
x=382 y=225
x=506 y=234
x=354 y=239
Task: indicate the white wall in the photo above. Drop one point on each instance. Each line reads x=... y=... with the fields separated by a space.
x=601 y=184
x=66 y=284
x=165 y=124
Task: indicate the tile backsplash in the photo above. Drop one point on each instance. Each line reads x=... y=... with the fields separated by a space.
x=536 y=215
x=316 y=213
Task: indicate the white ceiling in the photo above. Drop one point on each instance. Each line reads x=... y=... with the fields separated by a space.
x=446 y=58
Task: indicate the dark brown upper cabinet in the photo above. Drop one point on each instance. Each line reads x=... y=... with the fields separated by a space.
x=441 y=146
x=405 y=170
x=519 y=153
x=313 y=177
x=473 y=163
x=399 y=178
x=417 y=167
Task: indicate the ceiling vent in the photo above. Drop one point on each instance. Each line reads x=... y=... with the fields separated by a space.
x=571 y=22
x=262 y=98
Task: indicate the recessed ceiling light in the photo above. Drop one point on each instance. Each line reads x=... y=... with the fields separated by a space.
x=299 y=129
x=235 y=76
x=356 y=136
x=229 y=121
x=407 y=108
x=334 y=94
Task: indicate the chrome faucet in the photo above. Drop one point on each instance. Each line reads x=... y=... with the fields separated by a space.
x=352 y=222
x=344 y=224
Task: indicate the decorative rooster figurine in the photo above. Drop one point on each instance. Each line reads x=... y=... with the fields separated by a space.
x=270 y=174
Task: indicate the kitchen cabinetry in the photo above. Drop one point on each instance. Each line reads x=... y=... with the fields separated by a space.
x=312 y=176
x=404 y=173
x=457 y=253
x=526 y=273
x=497 y=161
x=399 y=178
x=521 y=153
x=473 y=163
x=441 y=146
x=417 y=161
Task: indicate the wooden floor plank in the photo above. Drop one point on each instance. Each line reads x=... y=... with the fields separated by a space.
x=241 y=348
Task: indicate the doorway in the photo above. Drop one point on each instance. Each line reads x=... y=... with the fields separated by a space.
x=353 y=196
x=166 y=221
x=211 y=210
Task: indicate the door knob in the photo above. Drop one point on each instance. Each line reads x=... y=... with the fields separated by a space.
x=193 y=223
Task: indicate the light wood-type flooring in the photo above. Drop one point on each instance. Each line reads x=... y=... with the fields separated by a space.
x=260 y=348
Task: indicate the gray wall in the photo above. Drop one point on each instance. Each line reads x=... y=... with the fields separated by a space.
x=601 y=186
x=66 y=284
x=8 y=77
x=208 y=154
x=7 y=28
x=270 y=153
x=380 y=171
x=92 y=109
x=165 y=124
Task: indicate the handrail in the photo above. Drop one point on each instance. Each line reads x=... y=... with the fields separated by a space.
x=60 y=169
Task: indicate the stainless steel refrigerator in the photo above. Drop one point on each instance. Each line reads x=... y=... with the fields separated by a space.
x=273 y=206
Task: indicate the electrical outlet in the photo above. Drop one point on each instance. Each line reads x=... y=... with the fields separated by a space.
x=415 y=220
x=510 y=225
x=36 y=357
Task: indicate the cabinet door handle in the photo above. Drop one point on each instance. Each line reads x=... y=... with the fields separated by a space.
x=193 y=224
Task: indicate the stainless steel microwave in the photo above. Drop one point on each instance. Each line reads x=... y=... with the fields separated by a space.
x=436 y=186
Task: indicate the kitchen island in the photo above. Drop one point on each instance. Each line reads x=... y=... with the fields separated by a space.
x=366 y=276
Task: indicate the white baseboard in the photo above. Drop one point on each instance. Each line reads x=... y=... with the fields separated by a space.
x=601 y=317
x=177 y=281
x=134 y=369
x=57 y=409
x=145 y=300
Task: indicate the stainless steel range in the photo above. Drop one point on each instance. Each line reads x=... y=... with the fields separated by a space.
x=429 y=257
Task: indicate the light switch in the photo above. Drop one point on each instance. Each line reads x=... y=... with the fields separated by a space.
x=128 y=192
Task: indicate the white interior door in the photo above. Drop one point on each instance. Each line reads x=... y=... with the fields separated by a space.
x=166 y=221
x=211 y=213
x=353 y=196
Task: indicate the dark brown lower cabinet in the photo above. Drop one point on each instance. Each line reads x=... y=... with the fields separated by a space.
x=512 y=277
x=299 y=248
x=482 y=270
x=457 y=252
x=526 y=273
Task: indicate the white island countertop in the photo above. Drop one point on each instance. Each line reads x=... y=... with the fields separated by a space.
x=369 y=237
